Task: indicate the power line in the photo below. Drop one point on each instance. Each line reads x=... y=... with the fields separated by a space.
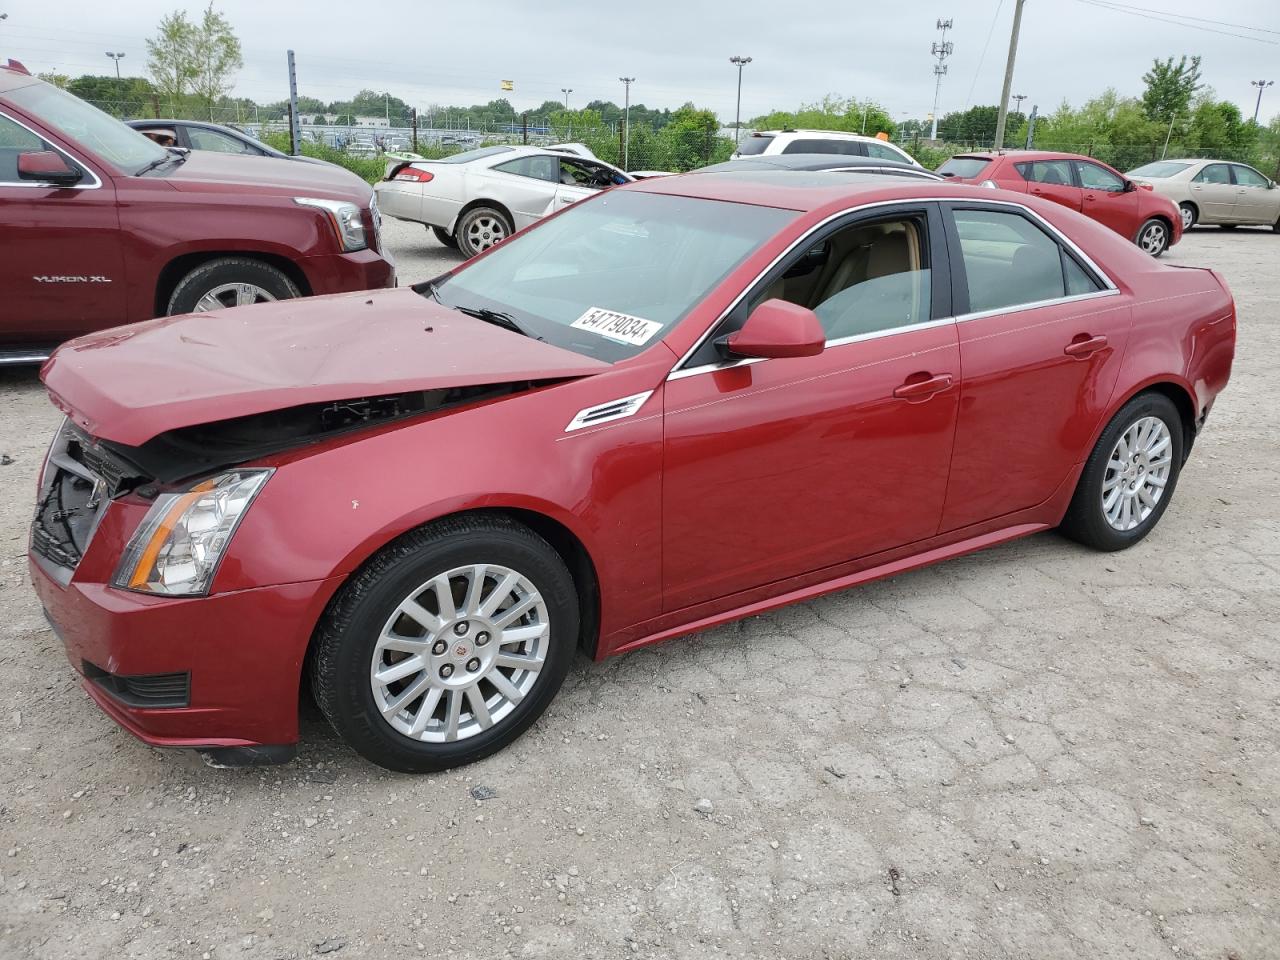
x=1145 y=15
x=1187 y=16
x=990 y=33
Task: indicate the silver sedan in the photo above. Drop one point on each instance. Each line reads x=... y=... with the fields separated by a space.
x=475 y=199
x=1214 y=191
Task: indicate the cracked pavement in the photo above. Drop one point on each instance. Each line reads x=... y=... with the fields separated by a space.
x=1035 y=751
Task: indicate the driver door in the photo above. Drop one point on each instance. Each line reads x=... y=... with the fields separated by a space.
x=577 y=182
x=1106 y=199
x=782 y=467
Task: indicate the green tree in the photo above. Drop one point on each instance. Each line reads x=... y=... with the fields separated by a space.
x=1170 y=88
x=57 y=79
x=123 y=97
x=171 y=57
x=216 y=56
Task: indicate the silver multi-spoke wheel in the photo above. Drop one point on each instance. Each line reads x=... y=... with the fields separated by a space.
x=232 y=295
x=1154 y=238
x=1188 y=217
x=1137 y=473
x=460 y=653
x=484 y=231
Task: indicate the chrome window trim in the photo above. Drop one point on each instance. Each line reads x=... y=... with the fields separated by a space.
x=97 y=181
x=679 y=372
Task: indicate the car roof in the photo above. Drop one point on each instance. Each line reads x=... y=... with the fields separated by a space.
x=11 y=79
x=1021 y=155
x=832 y=134
x=808 y=161
x=804 y=191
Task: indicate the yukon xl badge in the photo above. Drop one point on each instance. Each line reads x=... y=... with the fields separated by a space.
x=82 y=279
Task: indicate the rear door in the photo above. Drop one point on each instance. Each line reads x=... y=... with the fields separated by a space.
x=1214 y=194
x=1106 y=199
x=1257 y=201
x=1053 y=180
x=62 y=270
x=1041 y=334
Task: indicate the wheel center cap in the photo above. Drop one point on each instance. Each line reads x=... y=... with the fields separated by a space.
x=461 y=650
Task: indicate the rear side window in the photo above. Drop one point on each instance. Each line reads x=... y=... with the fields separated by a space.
x=882 y=152
x=965 y=167
x=1053 y=172
x=1213 y=173
x=847 y=148
x=1009 y=262
x=754 y=145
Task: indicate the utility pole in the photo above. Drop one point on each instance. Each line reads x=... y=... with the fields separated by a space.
x=1031 y=126
x=1261 y=85
x=941 y=49
x=566 y=91
x=117 y=57
x=1167 y=137
x=1008 y=74
x=738 y=62
x=626 y=122
x=295 y=125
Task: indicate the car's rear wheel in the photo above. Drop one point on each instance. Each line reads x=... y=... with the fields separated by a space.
x=481 y=228
x=230 y=282
x=1130 y=477
x=447 y=645
x=445 y=237
x=1153 y=237
x=1189 y=215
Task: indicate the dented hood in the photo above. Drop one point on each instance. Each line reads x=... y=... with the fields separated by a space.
x=132 y=383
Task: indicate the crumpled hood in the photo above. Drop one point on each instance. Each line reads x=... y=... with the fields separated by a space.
x=132 y=383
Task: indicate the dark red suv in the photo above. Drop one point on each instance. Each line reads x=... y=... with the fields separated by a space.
x=1081 y=183
x=106 y=227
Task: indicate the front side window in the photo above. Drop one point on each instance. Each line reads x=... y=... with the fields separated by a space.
x=611 y=275
x=202 y=139
x=1052 y=172
x=861 y=279
x=1010 y=261
x=581 y=174
x=1213 y=173
x=15 y=139
x=538 y=168
x=88 y=127
x=1248 y=177
x=1094 y=177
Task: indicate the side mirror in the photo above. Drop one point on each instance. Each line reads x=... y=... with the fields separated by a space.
x=47 y=166
x=777 y=328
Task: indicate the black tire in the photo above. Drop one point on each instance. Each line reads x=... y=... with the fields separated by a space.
x=274 y=284
x=1153 y=237
x=1086 y=521
x=1275 y=227
x=1189 y=215
x=346 y=638
x=445 y=237
x=480 y=228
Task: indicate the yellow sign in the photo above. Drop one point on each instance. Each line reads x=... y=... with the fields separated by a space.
x=508 y=85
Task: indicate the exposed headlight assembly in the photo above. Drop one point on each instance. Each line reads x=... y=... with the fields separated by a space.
x=177 y=548
x=345 y=218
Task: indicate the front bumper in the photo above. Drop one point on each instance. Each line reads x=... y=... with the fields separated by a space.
x=241 y=651
x=349 y=272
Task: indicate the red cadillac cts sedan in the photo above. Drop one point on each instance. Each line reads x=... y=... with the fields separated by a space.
x=684 y=401
x=1078 y=183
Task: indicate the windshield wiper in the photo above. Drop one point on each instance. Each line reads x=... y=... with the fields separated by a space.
x=497 y=318
x=161 y=161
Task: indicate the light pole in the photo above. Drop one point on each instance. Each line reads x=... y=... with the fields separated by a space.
x=566 y=91
x=1261 y=85
x=626 y=122
x=739 y=62
x=1019 y=97
x=117 y=57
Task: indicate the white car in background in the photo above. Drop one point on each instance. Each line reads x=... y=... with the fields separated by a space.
x=767 y=143
x=1214 y=191
x=475 y=199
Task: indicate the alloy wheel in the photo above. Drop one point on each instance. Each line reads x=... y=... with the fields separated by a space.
x=232 y=295
x=460 y=653
x=1153 y=239
x=1137 y=473
x=485 y=231
x=1188 y=217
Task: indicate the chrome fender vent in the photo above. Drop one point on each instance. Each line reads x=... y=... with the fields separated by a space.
x=606 y=412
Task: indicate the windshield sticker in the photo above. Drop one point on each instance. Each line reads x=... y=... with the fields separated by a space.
x=617 y=326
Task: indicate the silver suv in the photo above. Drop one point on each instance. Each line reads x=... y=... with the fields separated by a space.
x=771 y=142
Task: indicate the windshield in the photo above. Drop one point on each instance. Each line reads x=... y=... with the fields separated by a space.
x=613 y=274
x=965 y=167
x=468 y=155
x=88 y=127
x=1160 y=169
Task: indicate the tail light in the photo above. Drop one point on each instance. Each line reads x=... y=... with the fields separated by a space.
x=413 y=175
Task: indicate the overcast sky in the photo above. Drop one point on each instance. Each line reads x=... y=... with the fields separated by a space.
x=458 y=51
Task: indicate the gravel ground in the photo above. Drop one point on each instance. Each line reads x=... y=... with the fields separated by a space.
x=1036 y=751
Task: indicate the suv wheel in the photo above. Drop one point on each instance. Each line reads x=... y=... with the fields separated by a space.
x=230 y=282
x=447 y=645
x=481 y=228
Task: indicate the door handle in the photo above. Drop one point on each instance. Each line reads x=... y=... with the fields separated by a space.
x=922 y=389
x=1084 y=346
x=568 y=199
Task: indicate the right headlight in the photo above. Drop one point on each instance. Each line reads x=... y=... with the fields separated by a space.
x=346 y=219
x=179 y=544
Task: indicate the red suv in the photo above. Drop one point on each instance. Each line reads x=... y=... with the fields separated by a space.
x=1081 y=183
x=106 y=227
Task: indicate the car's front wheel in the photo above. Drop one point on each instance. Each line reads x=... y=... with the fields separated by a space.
x=1188 y=214
x=230 y=282
x=445 y=237
x=481 y=228
x=1153 y=237
x=447 y=645
x=1129 y=477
